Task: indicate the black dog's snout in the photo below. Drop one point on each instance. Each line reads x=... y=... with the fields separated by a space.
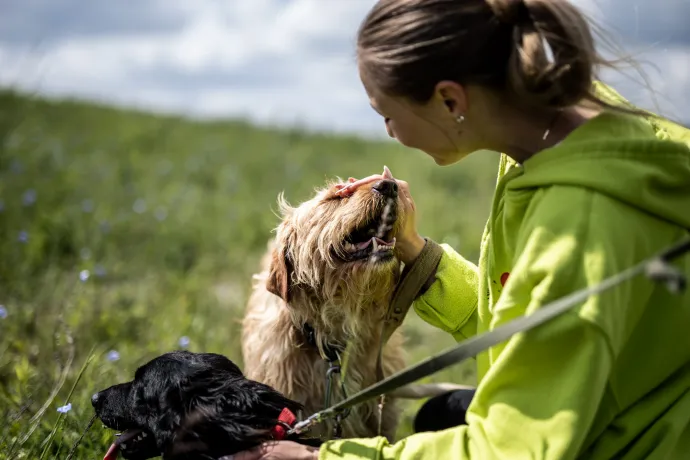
x=387 y=187
x=95 y=399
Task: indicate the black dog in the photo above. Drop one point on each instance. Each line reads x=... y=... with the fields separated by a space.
x=193 y=406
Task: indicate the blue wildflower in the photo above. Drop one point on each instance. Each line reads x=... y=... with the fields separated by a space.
x=99 y=271
x=29 y=197
x=113 y=356
x=16 y=167
x=184 y=341
x=139 y=206
x=87 y=205
x=161 y=213
x=3 y=312
x=84 y=275
x=23 y=236
x=65 y=409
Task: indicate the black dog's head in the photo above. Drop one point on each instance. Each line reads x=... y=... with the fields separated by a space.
x=184 y=405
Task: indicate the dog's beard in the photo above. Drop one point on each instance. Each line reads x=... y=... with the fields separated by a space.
x=360 y=286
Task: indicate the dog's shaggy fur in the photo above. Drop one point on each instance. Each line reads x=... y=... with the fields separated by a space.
x=324 y=269
x=190 y=406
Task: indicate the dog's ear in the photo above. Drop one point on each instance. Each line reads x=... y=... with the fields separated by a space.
x=279 y=274
x=212 y=387
x=225 y=414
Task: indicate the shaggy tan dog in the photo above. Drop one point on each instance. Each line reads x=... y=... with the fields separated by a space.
x=326 y=282
x=328 y=274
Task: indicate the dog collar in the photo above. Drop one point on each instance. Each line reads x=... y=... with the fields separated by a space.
x=286 y=420
x=330 y=349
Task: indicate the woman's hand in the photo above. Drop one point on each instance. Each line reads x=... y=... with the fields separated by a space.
x=278 y=450
x=408 y=241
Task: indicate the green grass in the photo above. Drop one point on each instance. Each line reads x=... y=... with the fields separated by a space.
x=168 y=218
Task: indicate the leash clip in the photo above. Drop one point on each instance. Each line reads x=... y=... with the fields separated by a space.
x=335 y=368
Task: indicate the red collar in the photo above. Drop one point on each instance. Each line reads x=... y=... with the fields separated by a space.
x=285 y=421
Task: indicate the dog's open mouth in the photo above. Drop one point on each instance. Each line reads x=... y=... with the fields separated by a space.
x=133 y=444
x=373 y=239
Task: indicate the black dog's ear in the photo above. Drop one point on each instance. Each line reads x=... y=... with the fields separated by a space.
x=217 y=388
x=226 y=414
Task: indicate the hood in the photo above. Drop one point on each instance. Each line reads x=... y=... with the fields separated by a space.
x=644 y=163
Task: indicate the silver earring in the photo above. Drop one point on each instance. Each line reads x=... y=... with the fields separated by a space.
x=460 y=119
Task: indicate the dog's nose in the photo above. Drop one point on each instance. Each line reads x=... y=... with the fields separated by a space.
x=387 y=187
x=95 y=399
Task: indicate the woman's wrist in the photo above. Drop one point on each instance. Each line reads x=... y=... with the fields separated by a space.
x=409 y=251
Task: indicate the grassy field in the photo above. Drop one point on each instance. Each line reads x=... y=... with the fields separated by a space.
x=124 y=235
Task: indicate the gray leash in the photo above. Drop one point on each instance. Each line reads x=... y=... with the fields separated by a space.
x=656 y=268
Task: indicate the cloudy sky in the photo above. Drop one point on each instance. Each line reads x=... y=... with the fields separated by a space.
x=273 y=61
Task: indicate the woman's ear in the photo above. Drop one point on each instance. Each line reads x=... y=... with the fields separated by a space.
x=454 y=97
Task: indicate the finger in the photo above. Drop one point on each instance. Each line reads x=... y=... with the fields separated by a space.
x=366 y=180
x=350 y=188
x=350 y=180
x=344 y=192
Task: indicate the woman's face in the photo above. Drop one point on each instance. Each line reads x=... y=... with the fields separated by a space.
x=432 y=127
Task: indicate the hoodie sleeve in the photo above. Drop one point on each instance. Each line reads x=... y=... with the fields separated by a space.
x=541 y=393
x=450 y=303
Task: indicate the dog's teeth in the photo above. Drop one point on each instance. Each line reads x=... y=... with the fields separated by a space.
x=143 y=435
x=376 y=245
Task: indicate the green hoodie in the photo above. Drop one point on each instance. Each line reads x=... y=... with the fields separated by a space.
x=611 y=377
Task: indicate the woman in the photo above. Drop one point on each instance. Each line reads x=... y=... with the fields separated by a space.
x=588 y=186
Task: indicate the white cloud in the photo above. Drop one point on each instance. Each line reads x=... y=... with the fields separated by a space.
x=271 y=60
x=278 y=61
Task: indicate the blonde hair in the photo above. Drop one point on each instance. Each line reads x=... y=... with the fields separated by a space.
x=537 y=53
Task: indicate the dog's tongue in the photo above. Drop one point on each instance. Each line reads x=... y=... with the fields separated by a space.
x=121 y=438
x=369 y=242
x=112 y=452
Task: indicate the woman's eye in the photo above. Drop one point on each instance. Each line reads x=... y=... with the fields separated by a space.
x=386 y=119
